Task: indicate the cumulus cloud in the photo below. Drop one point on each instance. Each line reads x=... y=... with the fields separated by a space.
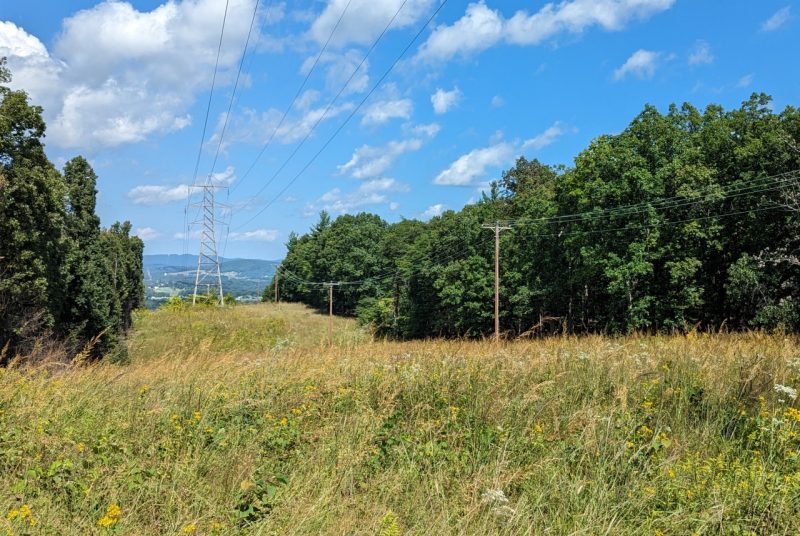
x=116 y=75
x=150 y=195
x=473 y=165
x=368 y=161
x=147 y=233
x=443 y=101
x=481 y=27
x=434 y=210
x=364 y=19
x=642 y=64
x=778 y=19
x=467 y=169
x=498 y=101
x=701 y=54
x=342 y=68
x=371 y=192
x=383 y=111
x=256 y=127
x=257 y=235
x=548 y=137
x=157 y=195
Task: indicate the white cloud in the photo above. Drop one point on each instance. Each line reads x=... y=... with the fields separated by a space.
x=383 y=185
x=481 y=28
x=147 y=233
x=256 y=128
x=548 y=137
x=383 y=111
x=258 y=235
x=443 y=101
x=371 y=192
x=472 y=166
x=701 y=54
x=434 y=210
x=155 y=195
x=341 y=70
x=430 y=130
x=777 y=20
x=364 y=19
x=368 y=161
x=117 y=75
x=745 y=81
x=469 y=167
x=150 y=195
x=498 y=101
x=642 y=64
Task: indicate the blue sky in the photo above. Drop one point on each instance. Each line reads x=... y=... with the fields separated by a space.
x=127 y=86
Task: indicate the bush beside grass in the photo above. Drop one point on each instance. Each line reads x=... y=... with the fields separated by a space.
x=246 y=422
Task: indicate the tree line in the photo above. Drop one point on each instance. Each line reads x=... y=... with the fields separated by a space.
x=709 y=239
x=61 y=275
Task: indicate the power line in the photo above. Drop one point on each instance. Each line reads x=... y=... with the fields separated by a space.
x=211 y=93
x=235 y=87
x=205 y=123
x=327 y=109
x=296 y=96
x=348 y=118
x=442 y=258
x=756 y=186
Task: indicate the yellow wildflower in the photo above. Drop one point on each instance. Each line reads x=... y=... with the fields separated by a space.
x=190 y=528
x=647 y=404
x=25 y=511
x=197 y=415
x=12 y=515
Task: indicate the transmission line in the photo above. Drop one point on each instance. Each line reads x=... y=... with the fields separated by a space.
x=235 y=87
x=348 y=118
x=296 y=96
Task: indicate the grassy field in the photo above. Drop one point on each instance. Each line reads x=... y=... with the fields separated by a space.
x=244 y=421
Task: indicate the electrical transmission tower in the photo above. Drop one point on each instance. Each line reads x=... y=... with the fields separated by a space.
x=208 y=268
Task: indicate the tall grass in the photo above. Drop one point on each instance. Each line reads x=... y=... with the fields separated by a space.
x=244 y=421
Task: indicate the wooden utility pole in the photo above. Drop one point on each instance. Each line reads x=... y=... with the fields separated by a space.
x=497 y=228
x=330 y=313
x=276 y=284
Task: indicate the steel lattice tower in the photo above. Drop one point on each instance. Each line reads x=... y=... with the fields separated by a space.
x=208 y=266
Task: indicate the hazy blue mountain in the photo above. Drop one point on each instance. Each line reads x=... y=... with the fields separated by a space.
x=174 y=275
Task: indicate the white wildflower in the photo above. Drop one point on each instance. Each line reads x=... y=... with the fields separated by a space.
x=504 y=511
x=494 y=497
x=785 y=390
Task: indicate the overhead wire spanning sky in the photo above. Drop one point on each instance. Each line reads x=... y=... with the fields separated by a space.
x=127 y=85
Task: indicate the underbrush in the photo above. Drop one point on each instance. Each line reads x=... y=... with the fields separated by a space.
x=267 y=430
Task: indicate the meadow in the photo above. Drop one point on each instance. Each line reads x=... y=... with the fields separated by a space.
x=245 y=421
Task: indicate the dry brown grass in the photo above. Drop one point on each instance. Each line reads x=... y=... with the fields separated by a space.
x=245 y=421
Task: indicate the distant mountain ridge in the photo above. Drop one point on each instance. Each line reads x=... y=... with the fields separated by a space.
x=167 y=275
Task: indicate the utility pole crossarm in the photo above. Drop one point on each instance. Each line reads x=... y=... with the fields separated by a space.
x=497 y=228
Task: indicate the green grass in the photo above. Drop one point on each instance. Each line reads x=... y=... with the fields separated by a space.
x=244 y=421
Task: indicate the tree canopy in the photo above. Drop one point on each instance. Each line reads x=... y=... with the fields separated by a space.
x=60 y=273
x=684 y=219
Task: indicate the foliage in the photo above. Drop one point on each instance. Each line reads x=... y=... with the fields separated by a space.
x=714 y=242
x=60 y=273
